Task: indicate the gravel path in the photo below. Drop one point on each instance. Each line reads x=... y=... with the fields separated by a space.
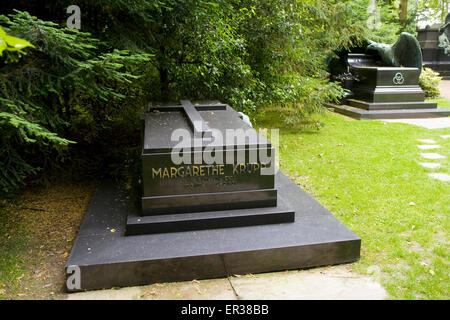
x=445 y=89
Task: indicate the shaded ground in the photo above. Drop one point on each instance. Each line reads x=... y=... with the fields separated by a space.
x=42 y=223
x=36 y=235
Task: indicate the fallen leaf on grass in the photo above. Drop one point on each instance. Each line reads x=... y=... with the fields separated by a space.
x=149 y=293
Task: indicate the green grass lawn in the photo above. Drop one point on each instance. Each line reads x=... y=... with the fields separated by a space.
x=13 y=241
x=367 y=174
x=442 y=102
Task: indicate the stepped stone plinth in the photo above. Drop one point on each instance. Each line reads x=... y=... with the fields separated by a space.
x=381 y=92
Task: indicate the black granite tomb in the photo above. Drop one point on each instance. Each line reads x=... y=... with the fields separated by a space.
x=198 y=219
x=435 y=55
x=382 y=92
x=200 y=186
x=230 y=180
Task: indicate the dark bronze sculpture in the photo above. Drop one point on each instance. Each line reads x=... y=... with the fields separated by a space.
x=405 y=52
x=386 y=81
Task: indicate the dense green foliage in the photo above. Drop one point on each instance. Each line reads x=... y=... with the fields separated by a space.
x=44 y=96
x=390 y=25
x=74 y=99
x=437 y=9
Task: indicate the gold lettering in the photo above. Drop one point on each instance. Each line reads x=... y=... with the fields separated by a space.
x=156 y=172
x=196 y=171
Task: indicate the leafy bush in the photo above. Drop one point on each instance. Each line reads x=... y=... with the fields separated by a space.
x=248 y=53
x=429 y=82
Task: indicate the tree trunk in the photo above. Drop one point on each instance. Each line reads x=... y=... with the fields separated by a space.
x=403 y=12
x=164 y=83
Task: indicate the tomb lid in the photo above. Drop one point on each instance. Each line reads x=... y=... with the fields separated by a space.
x=203 y=122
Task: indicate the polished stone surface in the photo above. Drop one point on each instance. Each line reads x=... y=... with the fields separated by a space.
x=362 y=114
x=227 y=218
x=162 y=121
x=111 y=259
x=223 y=162
x=186 y=203
x=430 y=165
x=382 y=92
x=434 y=57
x=390 y=105
x=426 y=141
x=432 y=156
x=440 y=176
x=438 y=61
x=428 y=146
